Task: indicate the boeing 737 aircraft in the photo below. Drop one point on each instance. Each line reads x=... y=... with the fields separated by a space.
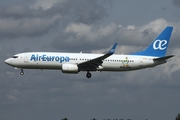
x=73 y=63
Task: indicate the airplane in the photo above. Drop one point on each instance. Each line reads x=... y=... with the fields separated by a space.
x=73 y=63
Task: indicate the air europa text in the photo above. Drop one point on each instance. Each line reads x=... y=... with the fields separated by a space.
x=49 y=58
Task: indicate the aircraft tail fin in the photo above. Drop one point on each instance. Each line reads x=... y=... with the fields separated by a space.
x=159 y=46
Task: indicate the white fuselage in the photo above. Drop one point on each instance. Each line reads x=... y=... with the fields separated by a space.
x=50 y=60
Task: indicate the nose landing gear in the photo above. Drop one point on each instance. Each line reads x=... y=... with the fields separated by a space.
x=88 y=75
x=22 y=72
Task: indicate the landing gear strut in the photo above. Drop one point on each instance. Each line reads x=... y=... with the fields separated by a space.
x=22 y=72
x=88 y=75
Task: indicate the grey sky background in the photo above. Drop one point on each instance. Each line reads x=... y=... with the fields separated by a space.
x=88 y=26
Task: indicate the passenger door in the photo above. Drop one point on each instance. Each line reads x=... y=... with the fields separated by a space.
x=26 y=58
x=140 y=62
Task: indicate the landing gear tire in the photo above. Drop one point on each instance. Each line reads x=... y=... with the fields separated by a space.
x=88 y=75
x=22 y=72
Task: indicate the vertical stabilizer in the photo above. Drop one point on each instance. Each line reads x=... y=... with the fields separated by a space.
x=159 y=46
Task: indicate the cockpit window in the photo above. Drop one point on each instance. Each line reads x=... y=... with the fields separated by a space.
x=15 y=56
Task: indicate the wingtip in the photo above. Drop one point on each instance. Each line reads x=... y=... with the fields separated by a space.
x=113 y=49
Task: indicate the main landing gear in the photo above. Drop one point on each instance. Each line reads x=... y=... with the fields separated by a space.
x=22 y=72
x=88 y=75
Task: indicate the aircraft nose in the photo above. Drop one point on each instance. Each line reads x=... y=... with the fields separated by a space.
x=8 y=61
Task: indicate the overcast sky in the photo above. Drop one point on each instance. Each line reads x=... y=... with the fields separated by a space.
x=88 y=26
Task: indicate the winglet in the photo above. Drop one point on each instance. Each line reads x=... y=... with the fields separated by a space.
x=112 y=49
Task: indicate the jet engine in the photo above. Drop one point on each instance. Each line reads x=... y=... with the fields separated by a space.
x=69 y=68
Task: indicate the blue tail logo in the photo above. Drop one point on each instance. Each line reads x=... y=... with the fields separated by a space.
x=159 y=46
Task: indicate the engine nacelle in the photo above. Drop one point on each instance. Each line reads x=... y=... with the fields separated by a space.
x=69 y=68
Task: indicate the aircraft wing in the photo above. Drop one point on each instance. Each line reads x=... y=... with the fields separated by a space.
x=93 y=65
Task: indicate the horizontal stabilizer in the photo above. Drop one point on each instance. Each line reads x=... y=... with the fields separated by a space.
x=163 y=58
